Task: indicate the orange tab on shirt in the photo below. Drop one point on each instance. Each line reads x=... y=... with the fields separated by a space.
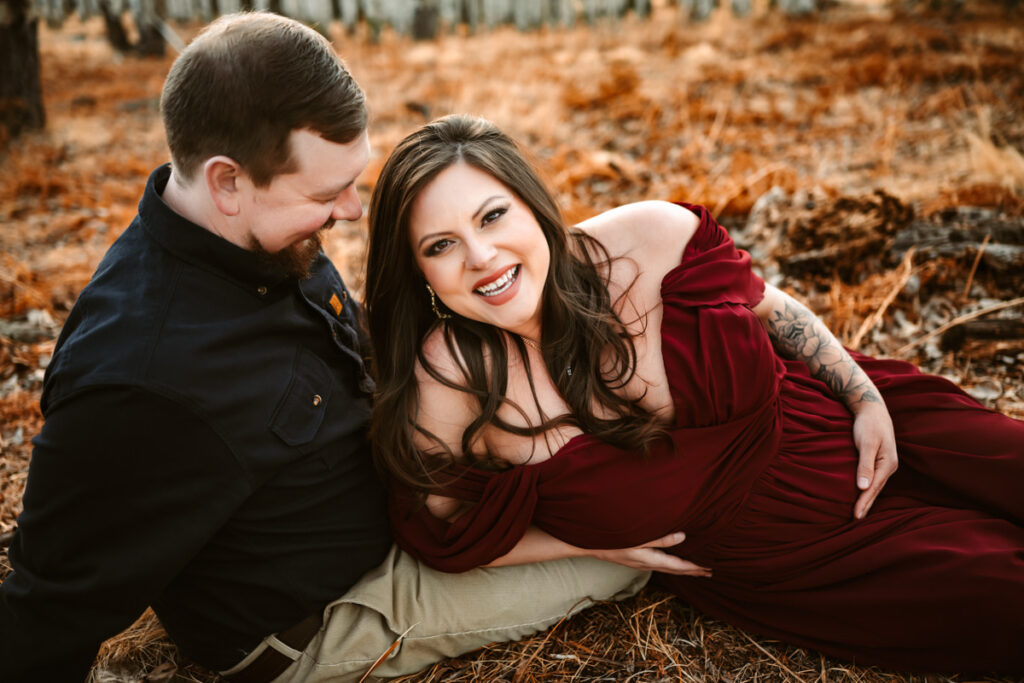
x=336 y=304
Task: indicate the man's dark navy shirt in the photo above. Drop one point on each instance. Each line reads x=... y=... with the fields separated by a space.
x=204 y=452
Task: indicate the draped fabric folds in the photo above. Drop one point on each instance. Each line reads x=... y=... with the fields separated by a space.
x=759 y=471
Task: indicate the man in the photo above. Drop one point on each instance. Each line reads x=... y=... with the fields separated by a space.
x=204 y=448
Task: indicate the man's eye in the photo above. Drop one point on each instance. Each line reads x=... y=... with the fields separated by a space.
x=438 y=247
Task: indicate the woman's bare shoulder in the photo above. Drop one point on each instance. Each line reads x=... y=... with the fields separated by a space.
x=443 y=410
x=645 y=240
x=644 y=231
x=442 y=357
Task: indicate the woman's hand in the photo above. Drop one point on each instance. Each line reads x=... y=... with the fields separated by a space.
x=876 y=442
x=648 y=557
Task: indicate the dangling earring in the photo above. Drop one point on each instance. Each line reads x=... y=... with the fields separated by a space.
x=441 y=315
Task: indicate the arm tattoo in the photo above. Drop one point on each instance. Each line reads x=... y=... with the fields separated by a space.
x=798 y=334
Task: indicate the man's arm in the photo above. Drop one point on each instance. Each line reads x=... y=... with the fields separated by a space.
x=124 y=487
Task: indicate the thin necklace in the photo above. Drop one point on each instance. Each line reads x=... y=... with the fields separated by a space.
x=530 y=342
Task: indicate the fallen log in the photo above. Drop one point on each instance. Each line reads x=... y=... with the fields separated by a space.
x=1008 y=330
x=962 y=233
x=809 y=235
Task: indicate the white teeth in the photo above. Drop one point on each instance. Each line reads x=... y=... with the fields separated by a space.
x=499 y=285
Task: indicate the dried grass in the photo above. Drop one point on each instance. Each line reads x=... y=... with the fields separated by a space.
x=1004 y=165
x=829 y=110
x=652 y=637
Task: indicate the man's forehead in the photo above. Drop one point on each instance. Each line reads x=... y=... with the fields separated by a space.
x=329 y=161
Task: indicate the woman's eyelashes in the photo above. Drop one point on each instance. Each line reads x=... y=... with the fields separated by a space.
x=442 y=245
x=493 y=215
x=438 y=247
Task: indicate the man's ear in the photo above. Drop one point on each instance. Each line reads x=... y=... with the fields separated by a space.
x=222 y=175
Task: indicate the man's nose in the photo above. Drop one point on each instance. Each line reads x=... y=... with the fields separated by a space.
x=348 y=207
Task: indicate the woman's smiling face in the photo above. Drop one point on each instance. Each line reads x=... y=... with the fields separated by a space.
x=481 y=249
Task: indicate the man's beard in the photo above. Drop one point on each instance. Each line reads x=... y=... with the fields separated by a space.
x=296 y=259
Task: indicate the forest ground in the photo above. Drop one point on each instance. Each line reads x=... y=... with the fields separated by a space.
x=869 y=158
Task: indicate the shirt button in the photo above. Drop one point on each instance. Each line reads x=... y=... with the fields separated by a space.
x=316 y=399
x=261 y=290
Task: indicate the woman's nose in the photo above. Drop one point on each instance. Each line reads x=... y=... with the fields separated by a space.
x=479 y=253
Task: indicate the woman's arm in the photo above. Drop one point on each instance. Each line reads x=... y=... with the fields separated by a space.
x=799 y=334
x=539 y=546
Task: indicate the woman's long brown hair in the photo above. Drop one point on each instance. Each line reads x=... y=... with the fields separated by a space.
x=579 y=325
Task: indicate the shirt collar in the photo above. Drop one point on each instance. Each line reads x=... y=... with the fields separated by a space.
x=196 y=244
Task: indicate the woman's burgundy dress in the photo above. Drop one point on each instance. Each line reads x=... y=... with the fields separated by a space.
x=760 y=475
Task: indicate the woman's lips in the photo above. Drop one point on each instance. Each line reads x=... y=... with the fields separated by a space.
x=502 y=288
x=498 y=284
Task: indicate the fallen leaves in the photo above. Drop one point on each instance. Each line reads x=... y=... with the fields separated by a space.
x=844 y=150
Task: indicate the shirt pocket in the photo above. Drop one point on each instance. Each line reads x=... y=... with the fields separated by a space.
x=300 y=412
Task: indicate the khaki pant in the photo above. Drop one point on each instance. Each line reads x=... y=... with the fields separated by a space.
x=445 y=614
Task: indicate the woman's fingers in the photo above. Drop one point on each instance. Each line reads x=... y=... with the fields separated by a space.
x=876 y=445
x=677 y=565
x=660 y=561
x=875 y=467
x=666 y=541
x=650 y=557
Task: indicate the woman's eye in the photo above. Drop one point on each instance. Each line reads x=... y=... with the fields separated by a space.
x=438 y=247
x=493 y=215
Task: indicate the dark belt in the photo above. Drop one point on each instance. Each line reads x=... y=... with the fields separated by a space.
x=271 y=663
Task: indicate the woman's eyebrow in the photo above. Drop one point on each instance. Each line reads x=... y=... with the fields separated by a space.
x=484 y=204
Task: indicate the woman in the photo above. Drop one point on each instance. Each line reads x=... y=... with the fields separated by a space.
x=546 y=389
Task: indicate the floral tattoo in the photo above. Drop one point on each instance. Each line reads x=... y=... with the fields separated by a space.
x=798 y=334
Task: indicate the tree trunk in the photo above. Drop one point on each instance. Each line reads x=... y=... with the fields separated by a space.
x=147 y=14
x=116 y=35
x=426 y=21
x=21 y=97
